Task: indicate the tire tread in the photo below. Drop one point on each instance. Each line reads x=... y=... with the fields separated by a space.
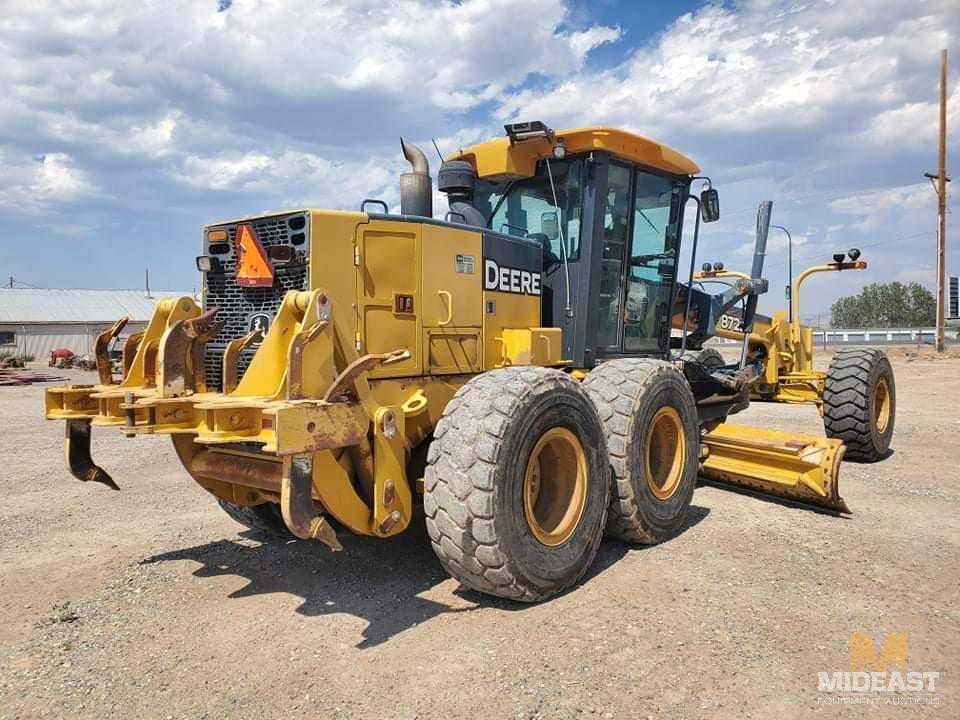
x=459 y=481
x=613 y=387
x=847 y=399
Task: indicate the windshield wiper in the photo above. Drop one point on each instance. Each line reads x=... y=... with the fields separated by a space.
x=648 y=220
x=506 y=191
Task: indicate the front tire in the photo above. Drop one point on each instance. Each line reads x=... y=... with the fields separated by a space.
x=860 y=403
x=517 y=483
x=650 y=421
x=264 y=518
x=708 y=357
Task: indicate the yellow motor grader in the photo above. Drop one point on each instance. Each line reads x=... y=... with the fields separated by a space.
x=855 y=397
x=529 y=367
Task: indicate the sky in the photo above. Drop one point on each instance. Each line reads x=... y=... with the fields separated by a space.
x=126 y=125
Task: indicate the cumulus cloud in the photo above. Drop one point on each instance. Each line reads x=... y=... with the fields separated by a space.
x=276 y=98
x=31 y=184
x=55 y=177
x=298 y=178
x=757 y=65
x=191 y=110
x=914 y=124
x=827 y=108
x=883 y=208
x=777 y=243
x=125 y=60
x=906 y=197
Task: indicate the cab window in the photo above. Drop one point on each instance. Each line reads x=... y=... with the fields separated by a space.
x=616 y=220
x=526 y=207
x=652 y=262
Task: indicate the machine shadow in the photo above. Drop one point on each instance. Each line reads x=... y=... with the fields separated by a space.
x=609 y=553
x=772 y=499
x=613 y=550
x=376 y=580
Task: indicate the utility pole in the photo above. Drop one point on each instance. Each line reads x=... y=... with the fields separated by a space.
x=941 y=189
x=942 y=204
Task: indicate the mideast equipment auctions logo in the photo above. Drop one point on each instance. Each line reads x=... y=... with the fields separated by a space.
x=884 y=679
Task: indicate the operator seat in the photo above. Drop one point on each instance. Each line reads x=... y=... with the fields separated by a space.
x=549 y=257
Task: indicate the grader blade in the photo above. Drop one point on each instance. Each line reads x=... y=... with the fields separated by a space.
x=801 y=468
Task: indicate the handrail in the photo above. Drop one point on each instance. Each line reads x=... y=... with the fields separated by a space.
x=795 y=290
x=449 y=297
x=363 y=205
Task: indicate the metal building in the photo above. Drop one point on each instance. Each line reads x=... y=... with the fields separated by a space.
x=36 y=321
x=954 y=306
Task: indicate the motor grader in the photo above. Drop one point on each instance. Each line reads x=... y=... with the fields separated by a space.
x=530 y=367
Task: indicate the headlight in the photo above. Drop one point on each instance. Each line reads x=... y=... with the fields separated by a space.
x=206 y=264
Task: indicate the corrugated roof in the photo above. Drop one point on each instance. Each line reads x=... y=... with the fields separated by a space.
x=29 y=305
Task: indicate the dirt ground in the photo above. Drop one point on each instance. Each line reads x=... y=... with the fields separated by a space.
x=151 y=603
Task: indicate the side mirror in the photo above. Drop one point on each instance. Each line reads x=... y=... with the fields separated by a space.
x=710 y=205
x=550 y=225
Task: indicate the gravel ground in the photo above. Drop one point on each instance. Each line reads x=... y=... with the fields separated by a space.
x=151 y=603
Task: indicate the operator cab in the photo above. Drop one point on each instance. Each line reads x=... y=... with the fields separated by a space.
x=607 y=208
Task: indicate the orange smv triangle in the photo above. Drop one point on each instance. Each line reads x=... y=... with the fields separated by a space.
x=253 y=267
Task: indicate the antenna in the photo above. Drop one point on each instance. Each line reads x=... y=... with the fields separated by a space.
x=148 y=281
x=437 y=149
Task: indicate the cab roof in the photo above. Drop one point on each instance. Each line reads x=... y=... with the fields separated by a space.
x=498 y=159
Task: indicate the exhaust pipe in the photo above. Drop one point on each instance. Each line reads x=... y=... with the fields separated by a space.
x=416 y=187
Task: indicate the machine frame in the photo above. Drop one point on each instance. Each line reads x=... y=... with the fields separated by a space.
x=326 y=382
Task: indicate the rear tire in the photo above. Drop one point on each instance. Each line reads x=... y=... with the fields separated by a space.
x=517 y=483
x=265 y=518
x=860 y=403
x=650 y=420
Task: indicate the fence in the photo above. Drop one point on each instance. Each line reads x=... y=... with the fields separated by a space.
x=874 y=336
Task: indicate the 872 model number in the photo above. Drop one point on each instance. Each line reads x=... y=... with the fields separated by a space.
x=731 y=322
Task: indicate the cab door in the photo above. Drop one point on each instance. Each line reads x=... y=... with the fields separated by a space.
x=651 y=264
x=640 y=216
x=613 y=250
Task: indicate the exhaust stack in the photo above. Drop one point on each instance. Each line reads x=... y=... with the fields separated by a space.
x=416 y=187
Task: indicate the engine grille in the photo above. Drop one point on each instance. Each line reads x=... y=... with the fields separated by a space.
x=239 y=305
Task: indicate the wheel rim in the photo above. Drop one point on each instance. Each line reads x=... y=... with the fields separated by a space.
x=664 y=453
x=881 y=406
x=555 y=487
